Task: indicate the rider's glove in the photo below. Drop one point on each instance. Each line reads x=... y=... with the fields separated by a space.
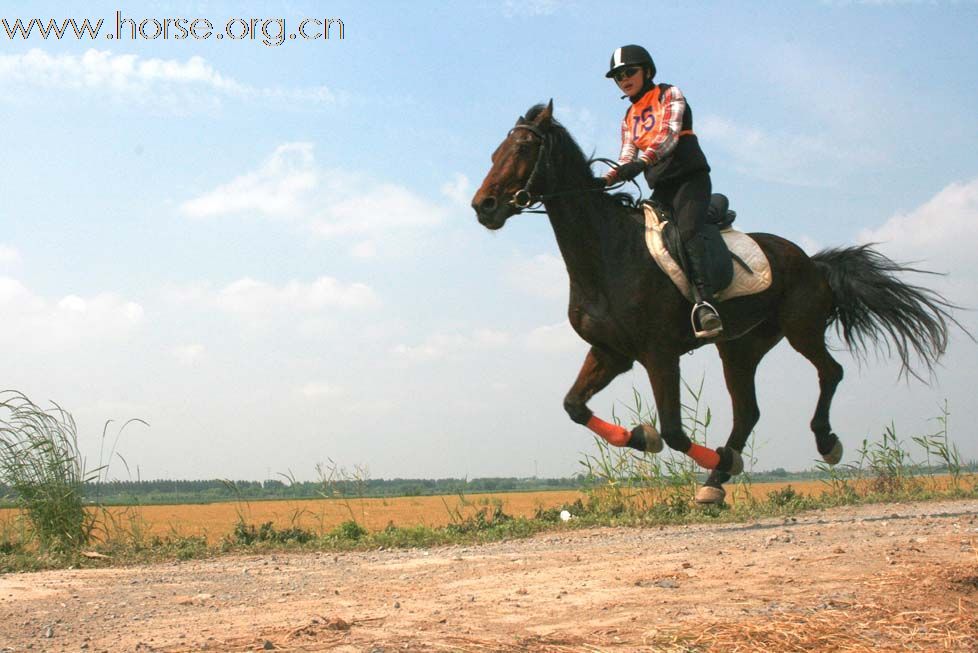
x=630 y=170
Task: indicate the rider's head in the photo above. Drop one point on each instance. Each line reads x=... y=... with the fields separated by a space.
x=626 y=64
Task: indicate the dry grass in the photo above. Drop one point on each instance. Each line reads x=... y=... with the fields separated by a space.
x=215 y=520
x=923 y=608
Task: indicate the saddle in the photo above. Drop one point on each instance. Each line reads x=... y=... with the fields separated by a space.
x=737 y=265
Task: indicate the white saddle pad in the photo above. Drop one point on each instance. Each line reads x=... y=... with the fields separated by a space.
x=739 y=243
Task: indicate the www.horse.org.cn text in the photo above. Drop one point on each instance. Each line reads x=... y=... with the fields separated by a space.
x=271 y=32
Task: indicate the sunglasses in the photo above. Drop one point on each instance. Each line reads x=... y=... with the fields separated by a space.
x=627 y=72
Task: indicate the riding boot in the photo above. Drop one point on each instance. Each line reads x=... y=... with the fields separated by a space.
x=705 y=317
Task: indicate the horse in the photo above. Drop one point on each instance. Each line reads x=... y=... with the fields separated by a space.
x=628 y=309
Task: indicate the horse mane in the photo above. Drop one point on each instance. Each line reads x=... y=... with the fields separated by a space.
x=570 y=160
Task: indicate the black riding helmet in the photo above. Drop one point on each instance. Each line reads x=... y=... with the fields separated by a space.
x=630 y=55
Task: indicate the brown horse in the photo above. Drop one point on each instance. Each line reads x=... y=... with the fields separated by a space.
x=629 y=310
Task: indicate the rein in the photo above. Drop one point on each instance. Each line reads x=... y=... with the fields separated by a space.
x=524 y=200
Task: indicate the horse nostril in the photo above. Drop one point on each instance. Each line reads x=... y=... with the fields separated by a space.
x=488 y=204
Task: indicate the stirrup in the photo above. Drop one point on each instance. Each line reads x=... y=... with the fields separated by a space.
x=700 y=332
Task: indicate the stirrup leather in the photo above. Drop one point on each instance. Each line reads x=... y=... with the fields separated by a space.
x=697 y=330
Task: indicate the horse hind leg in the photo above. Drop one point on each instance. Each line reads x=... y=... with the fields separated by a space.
x=599 y=369
x=809 y=340
x=740 y=359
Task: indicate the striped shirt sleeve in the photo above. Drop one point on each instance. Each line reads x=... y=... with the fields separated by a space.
x=628 y=149
x=665 y=141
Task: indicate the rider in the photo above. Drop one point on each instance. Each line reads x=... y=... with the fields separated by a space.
x=657 y=139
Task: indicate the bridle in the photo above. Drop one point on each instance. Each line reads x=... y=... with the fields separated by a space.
x=524 y=200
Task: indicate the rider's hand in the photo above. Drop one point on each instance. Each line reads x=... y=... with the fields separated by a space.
x=630 y=170
x=597 y=183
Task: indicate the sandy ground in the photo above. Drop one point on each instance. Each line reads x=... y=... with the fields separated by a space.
x=877 y=578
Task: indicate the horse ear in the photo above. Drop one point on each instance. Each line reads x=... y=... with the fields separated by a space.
x=521 y=120
x=543 y=120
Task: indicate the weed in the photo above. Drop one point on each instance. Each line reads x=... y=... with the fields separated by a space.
x=247 y=534
x=788 y=500
x=40 y=461
x=552 y=515
x=337 y=483
x=838 y=480
x=350 y=530
x=939 y=446
x=889 y=465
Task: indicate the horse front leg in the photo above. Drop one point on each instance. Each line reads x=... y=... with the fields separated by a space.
x=740 y=359
x=665 y=379
x=599 y=369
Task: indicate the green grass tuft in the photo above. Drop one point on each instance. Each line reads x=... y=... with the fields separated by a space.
x=41 y=463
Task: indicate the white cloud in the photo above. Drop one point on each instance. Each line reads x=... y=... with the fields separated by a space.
x=443 y=345
x=519 y=8
x=364 y=249
x=170 y=84
x=279 y=188
x=290 y=185
x=543 y=275
x=434 y=347
x=318 y=390
x=826 y=152
x=490 y=338
x=580 y=122
x=940 y=234
x=554 y=338
x=809 y=245
x=945 y=225
x=793 y=159
x=459 y=191
x=789 y=70
x=384 y=206
x=250 y=297
x=310 y=309
x=187 y=355
x=8 y=254
x=31 y=320
x=190 y=293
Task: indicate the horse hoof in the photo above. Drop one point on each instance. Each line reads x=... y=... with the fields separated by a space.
x=708 y=495
x=647 y=434
x=834 y=456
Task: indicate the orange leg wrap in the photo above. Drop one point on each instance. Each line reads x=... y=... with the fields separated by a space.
x=706 y=458
x=613 y=433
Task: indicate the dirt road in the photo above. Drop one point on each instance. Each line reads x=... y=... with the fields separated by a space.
x=876 y=578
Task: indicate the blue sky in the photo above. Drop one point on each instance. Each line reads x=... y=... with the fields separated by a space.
x=267 y=252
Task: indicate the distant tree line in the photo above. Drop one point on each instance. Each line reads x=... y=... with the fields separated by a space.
x=162 y=491
x=206 y=491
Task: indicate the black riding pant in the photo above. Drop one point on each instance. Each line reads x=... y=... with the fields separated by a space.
x=689 y=197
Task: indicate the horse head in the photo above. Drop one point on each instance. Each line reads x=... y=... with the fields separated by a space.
x=515 y=176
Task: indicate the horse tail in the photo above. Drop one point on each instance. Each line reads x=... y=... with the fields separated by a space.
x=872 y=306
